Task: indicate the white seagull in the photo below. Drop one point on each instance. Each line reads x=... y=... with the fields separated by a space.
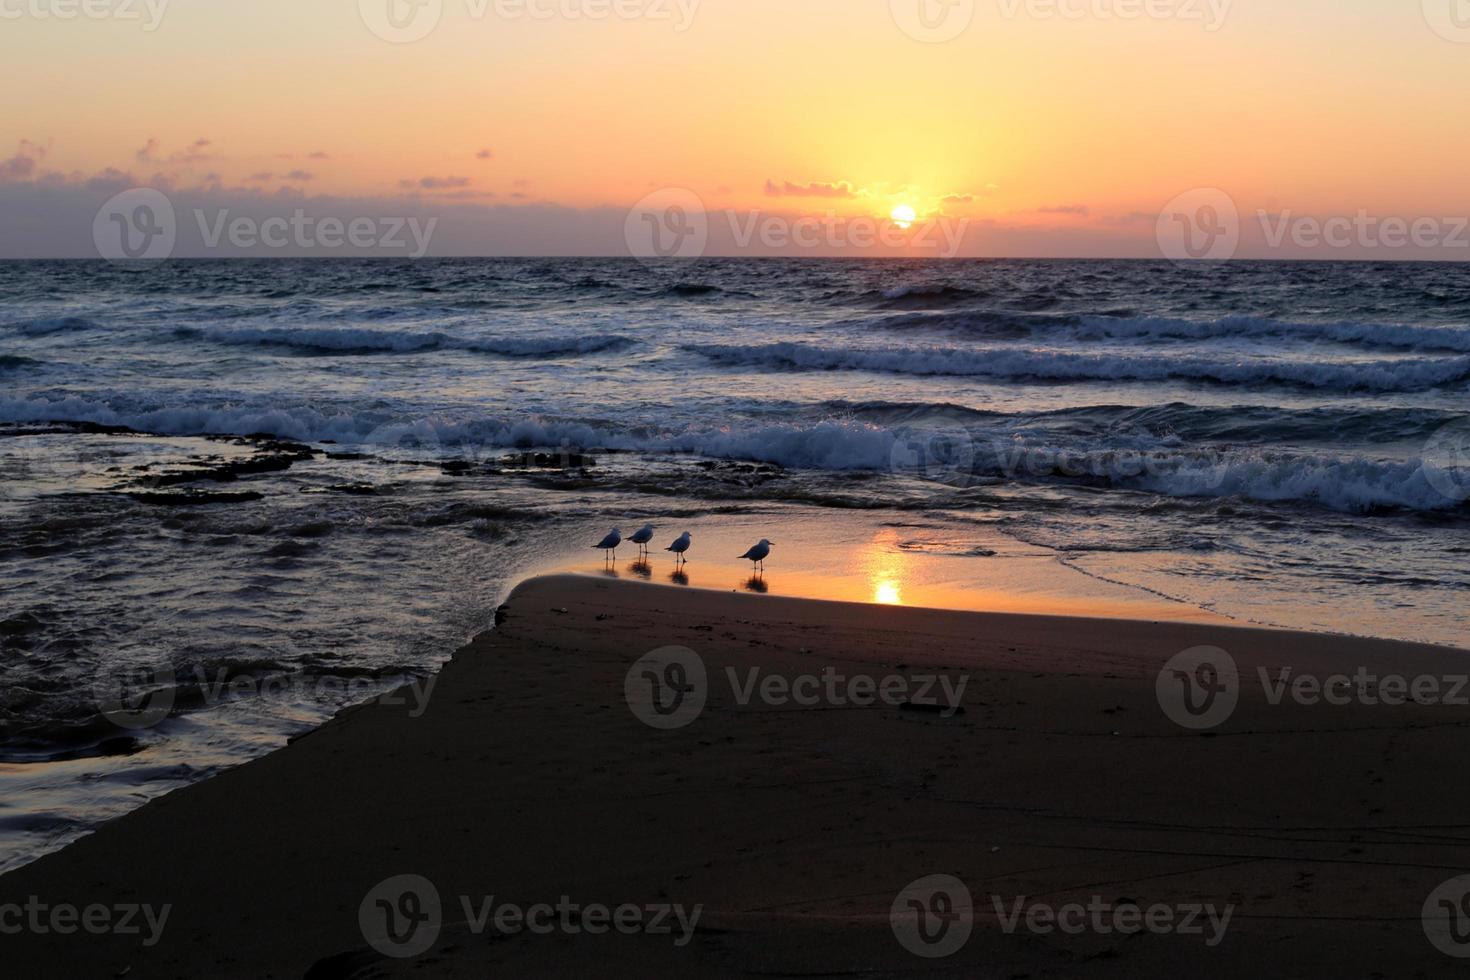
x=757 y=555
x=681 y=546
x=642 y=538
x=610 y=543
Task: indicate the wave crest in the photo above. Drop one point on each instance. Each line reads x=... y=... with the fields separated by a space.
x=1092 y=327
x=1407 y=374
x=359 y=341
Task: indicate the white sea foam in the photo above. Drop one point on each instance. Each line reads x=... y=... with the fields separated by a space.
x=1157 y=464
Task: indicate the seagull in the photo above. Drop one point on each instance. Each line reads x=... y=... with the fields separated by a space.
x=610 y=543
x=757 y=555
x=681 y=546
x=642 y=538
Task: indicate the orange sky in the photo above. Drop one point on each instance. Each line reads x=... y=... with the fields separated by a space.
x=1078 y=123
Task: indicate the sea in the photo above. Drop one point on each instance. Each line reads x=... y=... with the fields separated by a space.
x=273 y=488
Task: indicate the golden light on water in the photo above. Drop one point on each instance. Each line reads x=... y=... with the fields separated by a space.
x=887 y=594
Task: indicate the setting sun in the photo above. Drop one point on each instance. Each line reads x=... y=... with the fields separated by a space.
x=904 y=216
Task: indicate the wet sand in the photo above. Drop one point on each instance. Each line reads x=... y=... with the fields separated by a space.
x=534 y=776
x=882 y=557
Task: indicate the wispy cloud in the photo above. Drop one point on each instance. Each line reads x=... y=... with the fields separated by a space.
x=840 y=189
x=195 y=152
x=435 y=183
x=1075 y=210
x=23 y=165
x=969 y=197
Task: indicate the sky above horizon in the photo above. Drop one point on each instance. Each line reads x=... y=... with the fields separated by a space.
x=1058 y=127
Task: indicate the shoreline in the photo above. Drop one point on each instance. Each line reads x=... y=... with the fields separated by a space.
x=794 y=827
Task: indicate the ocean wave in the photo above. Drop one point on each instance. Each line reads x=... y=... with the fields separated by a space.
x=1408 y=374
x=1178 y=422
x=957 y=455
x=357 y=341
x=1005 y=325
x=926 y=295
x=44 y=326
x=9 y=362
x=693 y=290
x=1350 y=485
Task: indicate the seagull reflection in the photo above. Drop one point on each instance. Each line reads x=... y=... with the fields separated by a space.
x=757 y=583
x=611 y=571
x=679 y=577
x=642 y=569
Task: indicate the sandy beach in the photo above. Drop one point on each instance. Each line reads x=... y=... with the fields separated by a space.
x=772 y=829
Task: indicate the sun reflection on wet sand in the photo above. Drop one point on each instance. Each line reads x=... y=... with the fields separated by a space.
x=887 y=594
x=885 y=565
